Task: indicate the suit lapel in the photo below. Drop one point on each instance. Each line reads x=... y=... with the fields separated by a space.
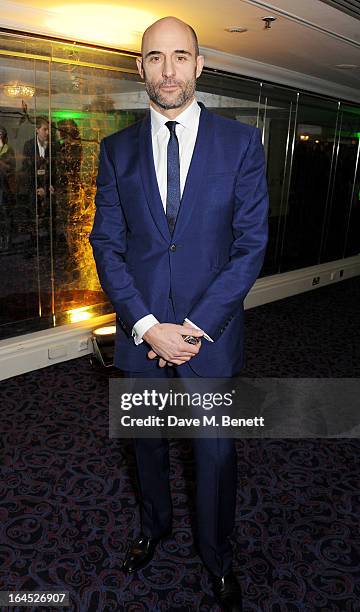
x=196 y=170
x=148 y=174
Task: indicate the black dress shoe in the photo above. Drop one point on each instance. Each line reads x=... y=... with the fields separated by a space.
x=227 y=592
x=140 y=552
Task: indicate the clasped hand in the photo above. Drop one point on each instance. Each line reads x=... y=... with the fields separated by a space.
x=167 y=343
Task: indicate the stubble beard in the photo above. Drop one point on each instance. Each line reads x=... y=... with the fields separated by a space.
x=187 y=91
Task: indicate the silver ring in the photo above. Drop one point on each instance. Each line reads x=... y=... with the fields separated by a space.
x=191 y=339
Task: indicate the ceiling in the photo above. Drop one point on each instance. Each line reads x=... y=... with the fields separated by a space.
x=351 y=7
x=308 y=38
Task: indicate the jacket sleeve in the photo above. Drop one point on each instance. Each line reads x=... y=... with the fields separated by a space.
x=108 y=241
x=224 y=296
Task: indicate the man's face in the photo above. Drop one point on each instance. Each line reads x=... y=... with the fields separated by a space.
x=43 y=132
x=169 y=66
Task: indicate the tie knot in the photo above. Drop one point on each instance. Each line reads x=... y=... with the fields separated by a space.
x=171 y=125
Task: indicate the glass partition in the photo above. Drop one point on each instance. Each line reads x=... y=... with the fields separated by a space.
x=277 y=120
x=342 y=229
x=26 y=202
x=58 y=100
x=312 y=167
x=86 y=104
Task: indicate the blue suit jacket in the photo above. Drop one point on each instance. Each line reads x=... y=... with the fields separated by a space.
x=214 y=255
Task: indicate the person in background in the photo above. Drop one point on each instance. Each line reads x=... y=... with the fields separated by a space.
x=39 y=176
x=70 y=153
x=69 y=201
x=7 y=188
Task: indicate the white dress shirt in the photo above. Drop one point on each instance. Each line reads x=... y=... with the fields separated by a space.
x=186 y=132
x=42 y=148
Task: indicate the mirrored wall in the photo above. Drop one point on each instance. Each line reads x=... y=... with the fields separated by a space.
x=57 y=101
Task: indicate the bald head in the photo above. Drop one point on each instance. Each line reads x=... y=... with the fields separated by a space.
x=170 y=64
x=170 y=26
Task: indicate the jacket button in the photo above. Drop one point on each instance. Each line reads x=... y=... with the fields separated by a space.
x=173 y=247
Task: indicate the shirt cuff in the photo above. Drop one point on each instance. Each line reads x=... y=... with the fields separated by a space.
x=141 y=326
x=205 y=335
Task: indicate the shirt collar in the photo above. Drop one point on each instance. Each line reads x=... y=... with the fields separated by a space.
x=41 y=145
x=189 y=118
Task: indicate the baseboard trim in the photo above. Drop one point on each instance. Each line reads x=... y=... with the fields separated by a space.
x=31 y=351
x=286 y=284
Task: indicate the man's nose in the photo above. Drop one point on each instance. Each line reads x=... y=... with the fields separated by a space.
x=168 y=67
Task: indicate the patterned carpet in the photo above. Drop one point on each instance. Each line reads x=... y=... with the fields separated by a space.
x=68 y=497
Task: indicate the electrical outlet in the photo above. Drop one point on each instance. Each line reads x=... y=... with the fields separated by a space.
x=316 y=280
x=55 y=352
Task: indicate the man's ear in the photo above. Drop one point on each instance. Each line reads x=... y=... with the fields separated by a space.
x=199 y=65
x=139 y=64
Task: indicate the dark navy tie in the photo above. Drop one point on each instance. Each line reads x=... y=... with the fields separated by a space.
x=173 y=176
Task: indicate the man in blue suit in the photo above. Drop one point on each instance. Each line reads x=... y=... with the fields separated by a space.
x=179 y=237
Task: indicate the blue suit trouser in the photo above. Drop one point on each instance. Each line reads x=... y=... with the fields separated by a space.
x=216 y=481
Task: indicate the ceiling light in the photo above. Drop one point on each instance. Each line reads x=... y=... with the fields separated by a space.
x=233 y=29
x=101 y=22
x=346 y=66
x=18 y=90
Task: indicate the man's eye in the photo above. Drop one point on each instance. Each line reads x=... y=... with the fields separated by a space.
x=154 y=58
x=181 y=58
